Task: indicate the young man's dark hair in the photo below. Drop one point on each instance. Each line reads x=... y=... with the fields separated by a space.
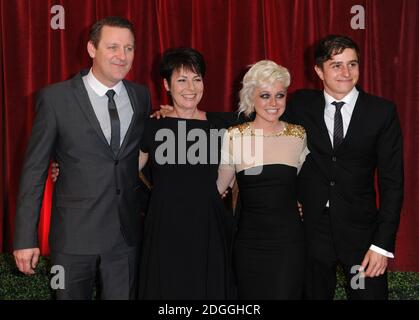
x=95 y=30
x=333 y=45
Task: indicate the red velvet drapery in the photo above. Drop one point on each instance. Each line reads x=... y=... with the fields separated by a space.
x=231 y=35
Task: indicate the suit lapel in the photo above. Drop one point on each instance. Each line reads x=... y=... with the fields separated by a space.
x=85 y=105
x=135 y=106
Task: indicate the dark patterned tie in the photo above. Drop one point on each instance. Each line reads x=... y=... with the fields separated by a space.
x=338 y=128
x=115 y=125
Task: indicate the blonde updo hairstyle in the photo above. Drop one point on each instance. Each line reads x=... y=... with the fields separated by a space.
x=261 y=73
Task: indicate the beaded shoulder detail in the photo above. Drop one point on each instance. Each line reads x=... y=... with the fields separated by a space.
x=291 y=130
x=294 y=130
x=240 y=130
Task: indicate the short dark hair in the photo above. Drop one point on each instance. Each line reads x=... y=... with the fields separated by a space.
x=95 y=30
x=332 y=45
x=182 y=57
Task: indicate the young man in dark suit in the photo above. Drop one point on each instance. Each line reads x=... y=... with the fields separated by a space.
x=351 y=136
x=92 y=125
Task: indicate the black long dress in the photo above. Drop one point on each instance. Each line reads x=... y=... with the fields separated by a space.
x=269 y=248
x=185 y=253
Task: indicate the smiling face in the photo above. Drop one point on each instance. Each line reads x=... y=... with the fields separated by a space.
x=113 y=56
x=340 y=73
x=269 y=101
x=186 y=88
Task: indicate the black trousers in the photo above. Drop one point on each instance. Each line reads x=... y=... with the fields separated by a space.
x=116 y=272
x=321 y=264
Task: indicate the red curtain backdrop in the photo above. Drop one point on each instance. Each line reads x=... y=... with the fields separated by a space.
x=231 y=35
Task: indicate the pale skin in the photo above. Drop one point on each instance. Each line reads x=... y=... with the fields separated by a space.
x=162 y=113
x=27 y=259
x=113 y=57
x=112 y=60
x=340 y=74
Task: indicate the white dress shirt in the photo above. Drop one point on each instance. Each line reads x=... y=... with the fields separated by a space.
x=347 y=110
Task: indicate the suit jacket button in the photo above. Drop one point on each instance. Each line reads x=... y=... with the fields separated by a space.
x=116 y=162
x=118 y=191
x=332 y=183
x=334 y=159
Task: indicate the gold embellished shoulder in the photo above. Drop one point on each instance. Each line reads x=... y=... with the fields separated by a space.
x=240 y=130
x=290 y=130
x=294 y=130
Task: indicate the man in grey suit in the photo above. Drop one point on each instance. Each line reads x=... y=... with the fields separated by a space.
x=92 y=125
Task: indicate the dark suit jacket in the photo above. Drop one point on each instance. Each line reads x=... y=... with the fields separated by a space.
x=97 y=193
x=346 y=176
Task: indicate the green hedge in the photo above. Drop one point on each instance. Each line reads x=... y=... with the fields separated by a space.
x=401 y=286
x=16 y=286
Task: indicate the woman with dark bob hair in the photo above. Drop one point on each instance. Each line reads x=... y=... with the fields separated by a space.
x=185 y=251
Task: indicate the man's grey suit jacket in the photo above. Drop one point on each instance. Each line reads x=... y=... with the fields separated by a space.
x=97 y=193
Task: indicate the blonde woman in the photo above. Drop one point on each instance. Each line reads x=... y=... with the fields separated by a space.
x=265 y=155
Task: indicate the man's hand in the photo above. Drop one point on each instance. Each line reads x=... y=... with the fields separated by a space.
x=27 y=259
x=164 y=110
x=55 y=171
x=377 y=264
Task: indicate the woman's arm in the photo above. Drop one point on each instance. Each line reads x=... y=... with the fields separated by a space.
x=142 y=160
x=226 y=169
x=303 y=155
x=226 y=175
